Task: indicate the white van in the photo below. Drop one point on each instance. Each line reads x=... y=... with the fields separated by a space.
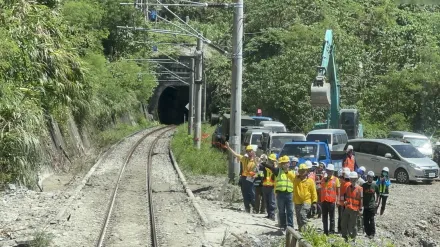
x=421 y=142
x=336 y=138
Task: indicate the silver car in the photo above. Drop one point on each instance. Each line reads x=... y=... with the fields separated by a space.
x=405 y=162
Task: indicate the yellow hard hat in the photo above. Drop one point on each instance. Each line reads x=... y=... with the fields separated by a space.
x=249 y=148
x=284 y=159
x=273 y=157
x=303 y=167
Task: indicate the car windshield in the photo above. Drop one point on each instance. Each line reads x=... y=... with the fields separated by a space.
x=319 y=137
x=256 y=139
x=248 y=122
x=279 y=141
x=408 y=151
x=278 y=128
x=300 y=150
x=419 y=142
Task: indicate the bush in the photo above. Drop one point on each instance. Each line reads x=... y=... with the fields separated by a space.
x=207 y=160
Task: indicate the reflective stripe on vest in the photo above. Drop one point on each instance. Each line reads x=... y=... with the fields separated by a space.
x=248 y=167
x=353 y=198
x=328 y=190
x=283 y=183
x=268 y=181
x=349 y=162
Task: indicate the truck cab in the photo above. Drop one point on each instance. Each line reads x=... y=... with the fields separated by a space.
x=313 y=151
x=272 y=142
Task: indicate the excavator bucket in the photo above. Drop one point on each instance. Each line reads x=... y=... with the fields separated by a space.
x=320 y=93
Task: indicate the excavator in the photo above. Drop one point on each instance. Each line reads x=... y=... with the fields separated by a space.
x=325 y=92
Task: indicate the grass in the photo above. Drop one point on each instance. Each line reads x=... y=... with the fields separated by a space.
x=41 y=239
x=321 y=240
x=206 y=161
x=112 y=135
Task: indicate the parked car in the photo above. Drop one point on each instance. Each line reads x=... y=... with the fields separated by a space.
x=421 y=142
x=336 y=138
x=406 y=163
x=252 y=137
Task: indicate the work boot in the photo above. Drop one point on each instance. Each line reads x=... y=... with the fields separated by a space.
x=382 y=210
x=272 y=217
x=248 y=210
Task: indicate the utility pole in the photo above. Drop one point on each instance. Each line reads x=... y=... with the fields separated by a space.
x=204 y=94
x=237 y=76
x=191 y=99
x=198 y=94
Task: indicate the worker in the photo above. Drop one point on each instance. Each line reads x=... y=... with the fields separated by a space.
x=344 y=181
x=353 y=207
x=319 y=175
x=371 y=197
x=260 y=204
x=284 y=191
x=247 y=172
x=268 y=185
x=330 y=192
x=304 y=197
x=349 y=159
x=361 y=173
x=384 y=184
x=294 y=164
x=311 y=174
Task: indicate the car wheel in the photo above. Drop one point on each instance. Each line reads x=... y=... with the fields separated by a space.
x=402 y=176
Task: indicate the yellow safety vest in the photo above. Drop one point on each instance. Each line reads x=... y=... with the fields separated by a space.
x=283 y=183
x=268 y=181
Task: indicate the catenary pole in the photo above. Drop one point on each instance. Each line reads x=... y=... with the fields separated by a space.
x=236 y=88
x=198 y=94
x=191 y=98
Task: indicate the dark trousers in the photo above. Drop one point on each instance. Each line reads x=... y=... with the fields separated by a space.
x=383 y=200
x=328 y=209
x=260 y=204
x=285 y=209
x=269 y=198
x=248 y=192
x=340 y=209
x=369 y=225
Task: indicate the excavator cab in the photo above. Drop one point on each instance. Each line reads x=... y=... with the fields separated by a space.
x=350 y=122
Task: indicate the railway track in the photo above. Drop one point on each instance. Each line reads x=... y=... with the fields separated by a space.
x=133 y=222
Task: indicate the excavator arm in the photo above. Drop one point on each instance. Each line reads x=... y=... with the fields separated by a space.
x=325 y=90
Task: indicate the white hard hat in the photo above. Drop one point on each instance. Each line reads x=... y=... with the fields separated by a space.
x=353 y=175
x=330 y=167
x=347 y=175
x=315 y=164
x=350 y=147
x=309 y=164
x=386 y=169
x=362 y=168
x=370 y=173
x=294 y=159
x=339 y=172
x=346 y=170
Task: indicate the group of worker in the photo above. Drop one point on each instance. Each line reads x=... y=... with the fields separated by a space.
x=312 y=189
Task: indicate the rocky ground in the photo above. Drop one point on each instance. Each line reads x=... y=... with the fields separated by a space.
x=412 y=217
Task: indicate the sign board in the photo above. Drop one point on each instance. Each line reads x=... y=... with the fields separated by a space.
x=187 y=106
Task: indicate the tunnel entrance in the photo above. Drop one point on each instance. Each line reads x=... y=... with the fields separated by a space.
x=171 y=108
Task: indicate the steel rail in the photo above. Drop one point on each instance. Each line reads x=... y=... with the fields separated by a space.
x=121 y=172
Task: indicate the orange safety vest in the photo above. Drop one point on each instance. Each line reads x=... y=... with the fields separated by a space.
x=349 y=162
x=353 y=197
x=248 y=167
x=328 y=190
x=268 y=181
x=344 y=185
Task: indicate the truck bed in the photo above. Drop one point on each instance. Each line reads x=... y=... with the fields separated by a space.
x=337 y=157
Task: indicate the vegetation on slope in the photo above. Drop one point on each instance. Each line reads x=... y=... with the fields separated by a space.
x=207 y=160
x=387 y=56
x=54 y=63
